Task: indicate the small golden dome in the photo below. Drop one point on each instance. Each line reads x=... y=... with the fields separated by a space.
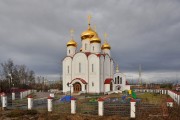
x=95 y=39
x=71 y=43
x=89 y=33
x=106 y=46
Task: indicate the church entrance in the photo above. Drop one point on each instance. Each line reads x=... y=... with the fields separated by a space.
x=111 y=86
x=77 y=87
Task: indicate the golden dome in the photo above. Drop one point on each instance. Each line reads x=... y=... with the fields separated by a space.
x=106 y=46
x=95 y=39
x=71 y=43
x=89 y=33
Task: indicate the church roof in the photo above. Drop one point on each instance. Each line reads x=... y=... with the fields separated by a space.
x=80 y=79
x=108 y=80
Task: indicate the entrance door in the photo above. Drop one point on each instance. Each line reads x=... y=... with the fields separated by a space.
x=77 y=87
x=111 y=86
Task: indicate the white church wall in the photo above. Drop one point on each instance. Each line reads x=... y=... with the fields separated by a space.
x=107 y=67
x=107 y=87
x=102 y=73
x=112 y=68
x=80 y=66
x=66 y=76
x=94 y=74
x=71 y=50
x=86 y=45
x=95 y=47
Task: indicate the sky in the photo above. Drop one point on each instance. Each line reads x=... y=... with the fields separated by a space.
x=146 y=32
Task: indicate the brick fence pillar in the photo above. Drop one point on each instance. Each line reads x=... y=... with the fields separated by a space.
x=100 y=107
x=49 y=104
x=30 y=102
x=169 y=102
x=73 y=105
x=4 y=101
x=13 y=95
x=133 y=109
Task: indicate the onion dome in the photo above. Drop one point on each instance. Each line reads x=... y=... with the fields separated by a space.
x=71 y=43
x=89 y=33
x=105 y=45
x=95 y=39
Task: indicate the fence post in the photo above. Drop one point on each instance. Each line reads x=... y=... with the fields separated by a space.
x=4 y=101
x=169 y=102
x=49 y=101
x=73 y=105
x=21 y=95
x=13 y=95
x=133 y=109
x=30 y=102
x=100 y=107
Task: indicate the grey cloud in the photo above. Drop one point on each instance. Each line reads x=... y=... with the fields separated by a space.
x=140 y=32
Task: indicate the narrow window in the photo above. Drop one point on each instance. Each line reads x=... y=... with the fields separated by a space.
x=115 y=81
x=79 y=67
x=92 y=67
x=92 y=83
x=121 y=80
x=69 y=51
x=118 y=79
x=93 y=48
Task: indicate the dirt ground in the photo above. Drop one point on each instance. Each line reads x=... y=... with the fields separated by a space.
x=34 y=115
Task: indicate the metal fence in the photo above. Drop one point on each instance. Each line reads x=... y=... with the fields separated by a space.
x=147 y=110
x=87 y=107
x=117 y=108
x=62 y=107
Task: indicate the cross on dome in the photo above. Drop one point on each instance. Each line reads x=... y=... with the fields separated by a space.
x=72 y=33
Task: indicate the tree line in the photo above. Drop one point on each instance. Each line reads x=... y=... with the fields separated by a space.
x=12 y=75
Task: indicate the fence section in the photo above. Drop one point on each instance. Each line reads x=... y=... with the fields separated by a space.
x=87 y=107
x=117 y=108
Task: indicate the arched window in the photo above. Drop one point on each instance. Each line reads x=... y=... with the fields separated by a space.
x=115 y=81
x=93 y=48
x=69 y=51
x=79 y=67
x=118 y=79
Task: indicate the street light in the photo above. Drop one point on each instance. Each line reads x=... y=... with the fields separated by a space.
x=70 y=88
x=10 y=81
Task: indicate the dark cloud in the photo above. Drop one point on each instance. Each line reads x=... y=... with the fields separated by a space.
x=140 y=32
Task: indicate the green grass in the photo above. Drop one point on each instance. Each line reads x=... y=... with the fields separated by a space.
x=152 y=98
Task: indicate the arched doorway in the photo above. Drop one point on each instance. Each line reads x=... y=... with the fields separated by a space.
x=118 y=87
x=111 y=86
x=77 y=87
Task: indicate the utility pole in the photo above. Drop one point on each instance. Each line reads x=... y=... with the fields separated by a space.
x=140 y=79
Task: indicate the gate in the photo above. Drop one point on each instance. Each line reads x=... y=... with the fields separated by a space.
x=117 y=108
x=86 y=107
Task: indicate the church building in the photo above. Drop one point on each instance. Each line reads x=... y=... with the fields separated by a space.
x=90 y=69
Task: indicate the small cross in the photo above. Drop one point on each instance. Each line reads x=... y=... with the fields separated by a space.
x=89 y=19
x=105 y=36
x=72 y=33
x=95 y=28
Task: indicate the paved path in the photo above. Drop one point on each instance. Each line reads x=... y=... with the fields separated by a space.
x=42 y=94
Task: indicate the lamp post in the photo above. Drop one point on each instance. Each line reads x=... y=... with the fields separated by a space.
x=70 y=88
x=10 y=80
